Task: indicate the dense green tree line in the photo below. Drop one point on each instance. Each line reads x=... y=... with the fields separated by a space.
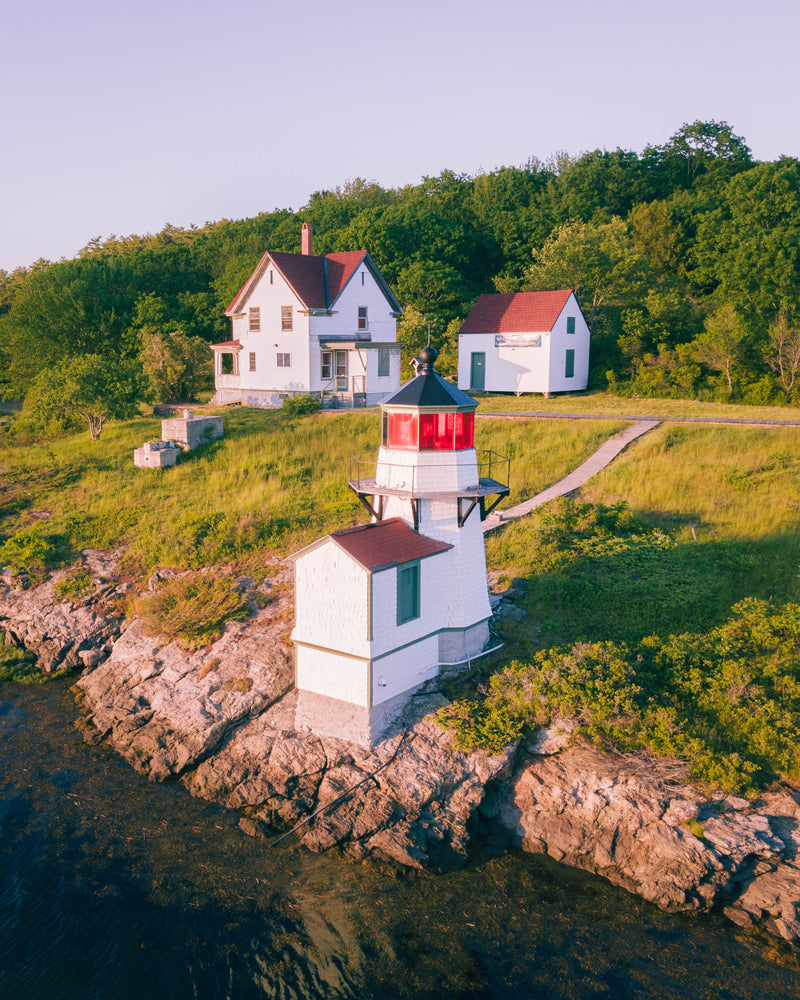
x=685 y=257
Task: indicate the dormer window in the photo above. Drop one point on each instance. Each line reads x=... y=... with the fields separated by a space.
x=362 y=317
x=255 y=319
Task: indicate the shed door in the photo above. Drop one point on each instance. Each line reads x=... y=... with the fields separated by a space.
x=477 y=376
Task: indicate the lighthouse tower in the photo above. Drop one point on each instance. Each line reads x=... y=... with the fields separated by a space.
x=428 y=474
x=382 y=608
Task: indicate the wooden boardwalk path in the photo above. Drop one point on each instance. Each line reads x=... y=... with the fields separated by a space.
x=601 y=458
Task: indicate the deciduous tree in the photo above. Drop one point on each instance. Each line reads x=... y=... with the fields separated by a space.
x=92 y=387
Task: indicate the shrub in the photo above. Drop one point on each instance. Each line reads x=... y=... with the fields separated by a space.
x=300 y=404
x=29 y=551
x=76 y=584
x=193 y=609
x=726 y=702
x=19 y=665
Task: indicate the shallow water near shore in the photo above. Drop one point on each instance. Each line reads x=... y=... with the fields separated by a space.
x=111 y=886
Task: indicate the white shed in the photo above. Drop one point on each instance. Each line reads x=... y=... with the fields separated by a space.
x=524 y=342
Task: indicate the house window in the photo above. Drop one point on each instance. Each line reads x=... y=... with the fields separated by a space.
x=326 y=368
x=569 y=365
x=407 y=592
x=286 y=318
x=384 y=360
x=362 y=317
x=284 y=361
x=255 y=320
x=570 y=324
x=228 y=364
x=252 y=361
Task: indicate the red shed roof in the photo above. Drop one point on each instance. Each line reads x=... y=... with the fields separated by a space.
x=516 y=312
x=387 y=543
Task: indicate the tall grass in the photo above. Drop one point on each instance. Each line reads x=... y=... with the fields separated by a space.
x=272 y=484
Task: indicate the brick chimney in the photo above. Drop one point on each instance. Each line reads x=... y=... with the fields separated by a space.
x=307 y=238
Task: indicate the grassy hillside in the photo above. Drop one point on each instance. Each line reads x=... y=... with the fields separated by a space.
x=271 y=485
x=635 y=624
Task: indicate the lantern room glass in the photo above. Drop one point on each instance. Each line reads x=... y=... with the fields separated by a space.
x=445 y=431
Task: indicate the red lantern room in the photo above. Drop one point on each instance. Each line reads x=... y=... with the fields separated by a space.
x=427 y=450
x=429 y=414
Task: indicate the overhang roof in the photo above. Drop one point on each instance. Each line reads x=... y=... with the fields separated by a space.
x=383 y=545
x=516 y=312
x=227 y=345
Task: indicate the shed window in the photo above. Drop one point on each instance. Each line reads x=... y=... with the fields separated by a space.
x=384 y=360
x=407 y=592
x=569 y=365
x=255 y=319
x=286 y=318
x=570 y=324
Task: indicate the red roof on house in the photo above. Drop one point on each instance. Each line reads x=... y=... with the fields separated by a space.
x=226 y=343
x=317 y=280
x=516 y=312
x=378 y=546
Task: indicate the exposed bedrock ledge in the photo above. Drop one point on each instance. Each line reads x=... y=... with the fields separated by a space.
x=665 y=842
x=65 y=634
x=222 y=721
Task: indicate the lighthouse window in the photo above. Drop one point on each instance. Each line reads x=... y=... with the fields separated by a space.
x=465 y=426
x=436 y=431
x=407 y=592
x=403 y=430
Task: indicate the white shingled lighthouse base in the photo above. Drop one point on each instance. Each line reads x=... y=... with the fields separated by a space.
x=346 y=721
x=328 y=716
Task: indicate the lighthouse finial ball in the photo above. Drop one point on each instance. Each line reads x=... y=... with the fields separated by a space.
x=427 y=358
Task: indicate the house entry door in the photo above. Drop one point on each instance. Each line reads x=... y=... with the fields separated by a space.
x=477 y=376
x=340 y=370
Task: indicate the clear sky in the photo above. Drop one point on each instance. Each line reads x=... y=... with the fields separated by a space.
x=118 y=118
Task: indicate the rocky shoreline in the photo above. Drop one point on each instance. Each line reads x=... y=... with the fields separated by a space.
x=221 y=720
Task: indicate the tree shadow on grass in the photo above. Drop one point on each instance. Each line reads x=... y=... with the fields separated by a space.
x=647 y=589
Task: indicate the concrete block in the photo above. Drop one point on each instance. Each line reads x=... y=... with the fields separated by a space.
x=189 y=431
x=155 y=455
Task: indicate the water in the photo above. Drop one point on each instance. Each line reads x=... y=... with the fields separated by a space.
x=114 y=887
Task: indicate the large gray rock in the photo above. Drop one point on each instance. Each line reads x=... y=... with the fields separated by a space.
x=666 y=842
x=65 y=634
x=165 y=709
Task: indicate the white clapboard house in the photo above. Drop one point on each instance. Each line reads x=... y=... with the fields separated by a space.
x=324 y=324
x=524 y=342
x=381 y=608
